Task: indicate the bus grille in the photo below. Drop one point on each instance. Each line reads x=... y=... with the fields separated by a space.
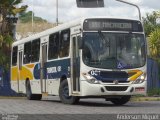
x=116 y=88
x=110 y=76
x=105 y=81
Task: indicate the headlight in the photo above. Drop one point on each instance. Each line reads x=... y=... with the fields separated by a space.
x=90 y=78
x=140 y=79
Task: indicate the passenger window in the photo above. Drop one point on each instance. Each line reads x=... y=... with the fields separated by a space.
x=27 y=53
x=53 y=46
x=64 y=43
x=14 y=56
x=35 y=50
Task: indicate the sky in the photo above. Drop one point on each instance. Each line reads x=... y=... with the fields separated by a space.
x=69 y=11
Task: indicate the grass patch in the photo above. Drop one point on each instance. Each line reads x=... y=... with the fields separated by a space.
x=154 y=92
x=139 y=99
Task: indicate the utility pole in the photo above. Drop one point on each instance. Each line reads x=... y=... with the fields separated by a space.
x=57 y=12
x=32 y=17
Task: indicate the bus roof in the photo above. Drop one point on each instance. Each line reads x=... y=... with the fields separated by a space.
x=62 y=27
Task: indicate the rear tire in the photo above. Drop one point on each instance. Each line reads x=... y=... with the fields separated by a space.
x=64 y=94
x=120 y=101
x=29 y=94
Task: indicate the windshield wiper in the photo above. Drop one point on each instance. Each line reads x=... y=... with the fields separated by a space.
x=103 y=38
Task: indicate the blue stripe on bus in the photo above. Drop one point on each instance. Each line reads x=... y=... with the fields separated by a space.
x=53 y=69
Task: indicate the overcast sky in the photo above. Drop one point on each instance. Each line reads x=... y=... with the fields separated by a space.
x=69 y=11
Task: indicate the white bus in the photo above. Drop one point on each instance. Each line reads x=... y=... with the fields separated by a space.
x=91 y=57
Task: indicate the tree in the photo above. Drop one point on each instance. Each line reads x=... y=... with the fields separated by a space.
x=7 y=8
x=154 y=44
x=150 y=22
x=152 y=32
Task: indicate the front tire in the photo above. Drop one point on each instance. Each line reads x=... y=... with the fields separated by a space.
x=29 y=94
x=120 y=101
x=64 y=94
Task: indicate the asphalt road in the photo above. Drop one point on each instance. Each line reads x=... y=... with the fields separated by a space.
x=52 y=105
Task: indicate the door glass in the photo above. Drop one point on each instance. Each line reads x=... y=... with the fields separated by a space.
x=43 y=68
x=75 y=65
x=44 y=54
x=20 y=60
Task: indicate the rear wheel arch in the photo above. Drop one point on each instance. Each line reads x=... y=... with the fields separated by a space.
x=29 y=94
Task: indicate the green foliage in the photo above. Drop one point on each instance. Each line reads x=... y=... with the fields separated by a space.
x=5 y=44
x=8 y=40
x=27 y=17
x=150 y=22
x=154 y=92
x=154 y=43
x=152 y=31
x=8 y=8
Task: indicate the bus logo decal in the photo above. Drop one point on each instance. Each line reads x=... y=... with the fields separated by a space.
x=115 y=82
x=52 y=70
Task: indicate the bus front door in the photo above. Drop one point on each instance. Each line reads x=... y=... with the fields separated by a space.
x=75 y=66
x=43 y=71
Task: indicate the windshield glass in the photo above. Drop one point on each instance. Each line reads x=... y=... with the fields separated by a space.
x=114 y=50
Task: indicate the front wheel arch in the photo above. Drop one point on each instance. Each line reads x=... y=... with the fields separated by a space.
x=64 y=94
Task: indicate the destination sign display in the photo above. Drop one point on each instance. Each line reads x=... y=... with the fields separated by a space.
x=112 y=25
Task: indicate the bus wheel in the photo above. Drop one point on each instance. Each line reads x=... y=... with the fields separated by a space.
x=29 y=94
x=120 y=101
x=64 y=94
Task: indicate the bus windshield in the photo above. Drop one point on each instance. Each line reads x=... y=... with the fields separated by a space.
x=114 y=50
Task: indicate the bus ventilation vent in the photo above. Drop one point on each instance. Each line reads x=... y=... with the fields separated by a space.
x=116 y=88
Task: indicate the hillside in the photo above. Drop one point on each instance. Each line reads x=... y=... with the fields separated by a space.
x=27 y=17
x=25 y=27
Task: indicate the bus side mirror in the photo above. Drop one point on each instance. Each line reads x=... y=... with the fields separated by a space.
x=80 y=42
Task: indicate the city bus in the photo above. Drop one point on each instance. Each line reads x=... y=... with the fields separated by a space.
x=86 y=58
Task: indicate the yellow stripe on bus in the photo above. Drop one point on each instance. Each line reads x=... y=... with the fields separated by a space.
x=30 y=65
x=23 y=74
x=136 y=75
x=14 y=73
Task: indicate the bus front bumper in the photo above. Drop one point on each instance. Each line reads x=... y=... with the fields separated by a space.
x=88 y=89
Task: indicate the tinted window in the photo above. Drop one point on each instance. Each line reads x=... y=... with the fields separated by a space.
x=27 y=53
x=14 y=56
x=53 y=46
x=64 y=43
x=35 y=50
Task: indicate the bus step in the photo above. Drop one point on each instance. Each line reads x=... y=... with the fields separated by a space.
x=44 y=94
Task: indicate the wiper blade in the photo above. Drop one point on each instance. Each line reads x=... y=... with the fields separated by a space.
x=103 y=38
